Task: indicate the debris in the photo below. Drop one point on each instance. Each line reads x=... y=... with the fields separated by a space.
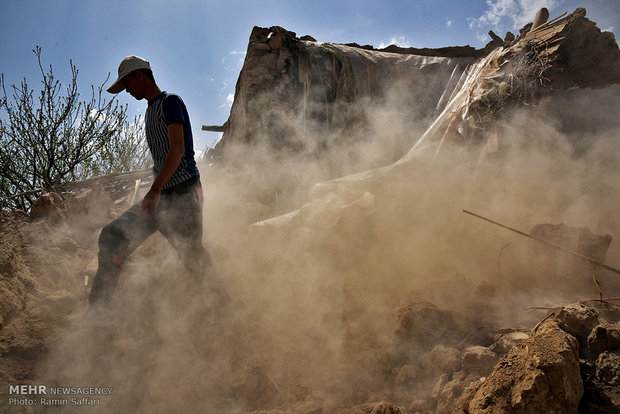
x=604 y=337
x=387 y=408
x=539 y=375
x=445 y=359
x=541 y=18
x=579 y=320
x=508 y=341
x=48 y=206
x=608 y=368
x=434 y=355
x=478 y=360
x=605 y=240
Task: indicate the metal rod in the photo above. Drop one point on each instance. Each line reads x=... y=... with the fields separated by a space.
x=591 y=260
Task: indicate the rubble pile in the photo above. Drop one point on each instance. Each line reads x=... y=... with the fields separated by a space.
x=376 y=295
x=42 y=282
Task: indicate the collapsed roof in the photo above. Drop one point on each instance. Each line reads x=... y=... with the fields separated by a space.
x=298 y=93
x=301 y=95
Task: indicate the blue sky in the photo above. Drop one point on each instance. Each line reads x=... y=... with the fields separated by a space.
x=196 y=48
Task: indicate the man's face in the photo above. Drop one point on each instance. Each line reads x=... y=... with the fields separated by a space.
x=134 y=84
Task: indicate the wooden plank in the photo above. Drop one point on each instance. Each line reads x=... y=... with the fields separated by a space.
x=213 y=128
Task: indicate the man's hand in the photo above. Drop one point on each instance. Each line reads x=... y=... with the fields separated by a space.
x=150 y=203
x=173 y=158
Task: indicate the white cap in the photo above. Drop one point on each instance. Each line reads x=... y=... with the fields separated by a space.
x=128 y=65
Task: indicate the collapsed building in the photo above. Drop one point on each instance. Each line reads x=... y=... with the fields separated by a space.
x=369 y=292
x=299 y=94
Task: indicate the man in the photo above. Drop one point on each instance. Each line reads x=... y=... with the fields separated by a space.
x=173 y=205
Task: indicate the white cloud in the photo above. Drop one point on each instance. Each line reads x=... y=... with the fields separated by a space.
x=449 y=23
x=508 y=15
x=223 y=87
x=102 y=117
x=229 y=100
x=240 y=53
x=396 y=40
x=96 y=114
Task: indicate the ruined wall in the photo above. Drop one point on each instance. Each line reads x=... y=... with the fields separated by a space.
x=308 y=96
x=311 y=97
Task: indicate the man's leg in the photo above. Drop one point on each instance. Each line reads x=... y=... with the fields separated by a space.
x=181 y=223
x=117 y=241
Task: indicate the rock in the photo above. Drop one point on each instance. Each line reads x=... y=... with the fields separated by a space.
x=438 y=388
x=578 y=319
x=578 y=239
x=540 y=375
x=604 y=337
x=601 y=384
x=450 y=392
x=48 y=206
x=387 y=408
x=507 y=341
x=446 y=360
x=564 y=272
x=608 y=368
x=461 y=405
x=607 y=314
x=478 y=360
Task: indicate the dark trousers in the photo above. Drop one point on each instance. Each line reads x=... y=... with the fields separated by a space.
x=178 y=219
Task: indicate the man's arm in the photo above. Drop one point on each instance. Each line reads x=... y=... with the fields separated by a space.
x=173 y=159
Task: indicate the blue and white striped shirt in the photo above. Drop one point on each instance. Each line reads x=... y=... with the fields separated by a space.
x=164 y=110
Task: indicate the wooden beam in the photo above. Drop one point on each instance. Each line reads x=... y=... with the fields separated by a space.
x=213 y=128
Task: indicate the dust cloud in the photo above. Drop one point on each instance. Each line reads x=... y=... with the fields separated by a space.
x=320 y=274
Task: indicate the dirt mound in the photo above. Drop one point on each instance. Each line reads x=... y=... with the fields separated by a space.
x=44 y=275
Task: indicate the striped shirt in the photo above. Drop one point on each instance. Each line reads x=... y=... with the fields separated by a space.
x=164 y=110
